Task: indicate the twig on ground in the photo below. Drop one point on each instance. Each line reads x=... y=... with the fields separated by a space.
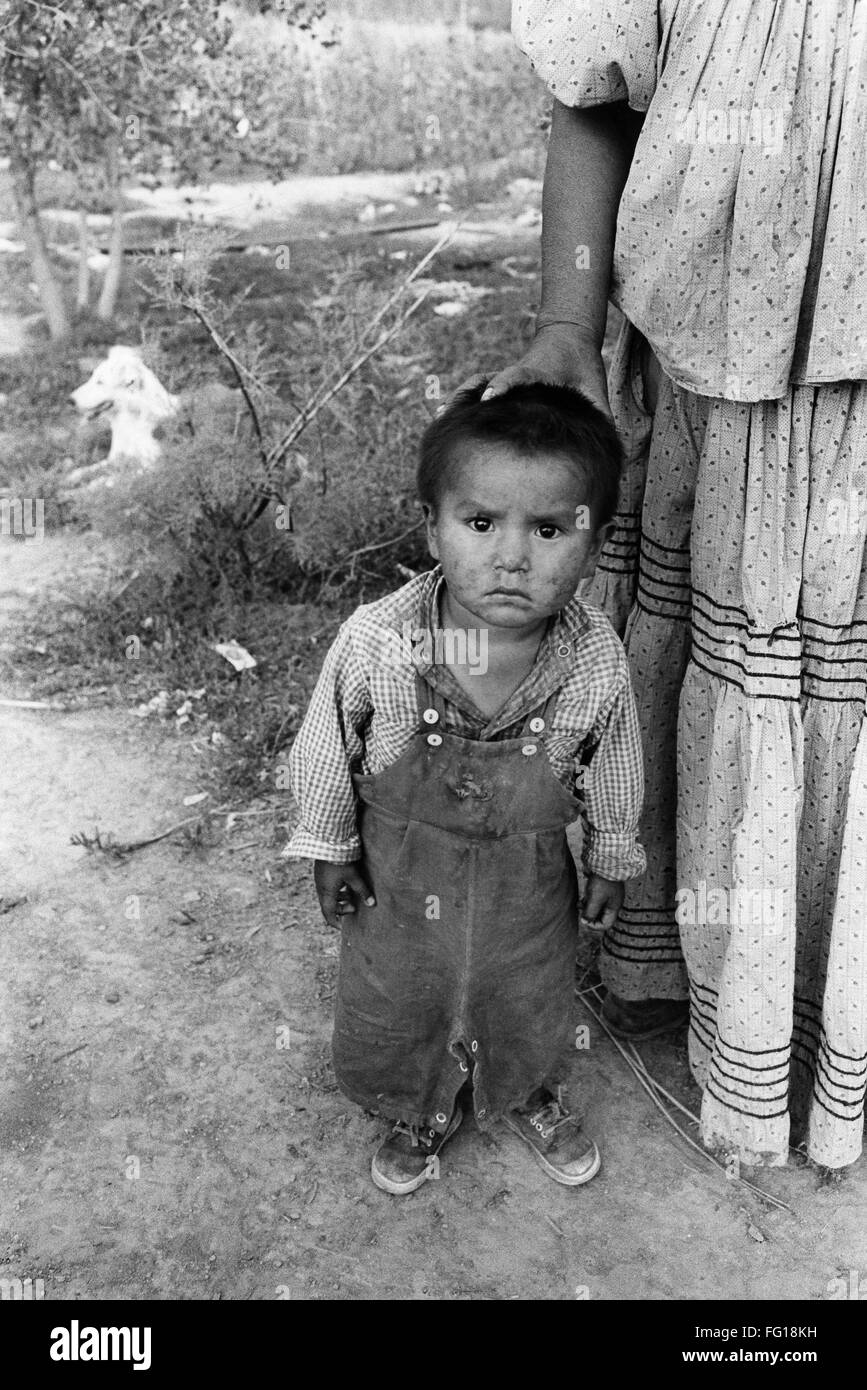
x=70 y=1052
x=121 y=847
x=650 y=1086
x=639 y=1062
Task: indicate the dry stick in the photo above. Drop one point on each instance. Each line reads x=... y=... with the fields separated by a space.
x=365 y=549
x=639 y=1062
x=237 y=369
x=70 y=1052
x=323 y=394
x=233 y=247
x=313 y=407
x=649 y=1088
x=425 y=261
x=318 y=401
x=129 y=846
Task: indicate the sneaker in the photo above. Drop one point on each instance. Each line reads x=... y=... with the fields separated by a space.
x=555 y=1137
x=636 y=1020
x=408 y=1157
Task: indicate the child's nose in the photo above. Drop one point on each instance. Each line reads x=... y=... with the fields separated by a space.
x=511 y=555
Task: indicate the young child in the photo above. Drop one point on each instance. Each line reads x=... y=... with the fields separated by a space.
x=436 y=772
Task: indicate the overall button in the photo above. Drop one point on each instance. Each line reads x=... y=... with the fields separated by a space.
x=537 y=725
x=441 y=1118
x=434 y=740
x=463 y=1066
x=528 y=750
x=474 y=1045
x=482 y=1113
x=430 y=716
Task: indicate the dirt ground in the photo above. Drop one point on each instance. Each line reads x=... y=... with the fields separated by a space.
x=157 y=1143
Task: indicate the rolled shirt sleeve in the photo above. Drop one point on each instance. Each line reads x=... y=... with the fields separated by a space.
x=321 y=758
x=588 y=53
x=614 y=789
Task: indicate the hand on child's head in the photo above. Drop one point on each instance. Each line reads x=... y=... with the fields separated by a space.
x=472 y=383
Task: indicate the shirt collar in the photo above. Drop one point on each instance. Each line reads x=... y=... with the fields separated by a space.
x=554 y=663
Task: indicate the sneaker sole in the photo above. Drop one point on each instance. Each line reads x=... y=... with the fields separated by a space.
x=402 y=1189
x=565 y=1179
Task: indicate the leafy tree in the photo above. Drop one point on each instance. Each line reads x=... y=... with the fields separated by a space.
x=111 y=91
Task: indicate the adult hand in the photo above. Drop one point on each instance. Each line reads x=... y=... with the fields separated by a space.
x=560 y=355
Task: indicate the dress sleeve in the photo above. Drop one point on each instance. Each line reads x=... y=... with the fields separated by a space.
x=589 y=53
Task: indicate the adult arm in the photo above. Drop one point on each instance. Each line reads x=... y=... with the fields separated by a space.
x=590 y=151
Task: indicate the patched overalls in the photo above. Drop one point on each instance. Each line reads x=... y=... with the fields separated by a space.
x=467 y=960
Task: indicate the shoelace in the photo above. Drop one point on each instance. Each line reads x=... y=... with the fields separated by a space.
x=416 y=1137
x=555 y=1112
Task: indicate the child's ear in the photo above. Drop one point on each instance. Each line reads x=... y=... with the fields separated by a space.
x=595 y=550
x=430 y=522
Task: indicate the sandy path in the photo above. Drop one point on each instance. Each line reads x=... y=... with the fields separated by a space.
x=177 y=1152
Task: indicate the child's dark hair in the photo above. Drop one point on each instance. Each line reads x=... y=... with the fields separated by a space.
x=530 y=419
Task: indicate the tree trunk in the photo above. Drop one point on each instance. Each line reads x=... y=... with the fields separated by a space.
x=50 y=292
x=114 y=272
x=83 y=291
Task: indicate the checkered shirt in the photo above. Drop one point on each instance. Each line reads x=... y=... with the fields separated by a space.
x=363 y=715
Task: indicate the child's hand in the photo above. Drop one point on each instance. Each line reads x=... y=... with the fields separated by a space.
x=335 y=886
x=603 y=899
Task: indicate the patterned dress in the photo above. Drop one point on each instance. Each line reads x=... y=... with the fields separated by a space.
x=738 y=570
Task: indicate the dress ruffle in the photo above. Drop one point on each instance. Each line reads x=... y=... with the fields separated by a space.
x=747 y=643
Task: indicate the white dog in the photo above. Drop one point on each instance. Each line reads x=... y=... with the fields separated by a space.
x=134 y=402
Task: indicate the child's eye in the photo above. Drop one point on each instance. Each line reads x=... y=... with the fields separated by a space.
x=547 y=530
x=480 y=524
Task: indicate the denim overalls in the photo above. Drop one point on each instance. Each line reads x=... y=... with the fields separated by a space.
x=467 y=959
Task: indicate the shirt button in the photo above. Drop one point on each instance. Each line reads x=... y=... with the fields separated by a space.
x=482 y=1114
x=434 y=740
x=430 y=716
x=474 y=1045
x=564 y=649
x=463 y=1066
x=537 y=726
x=528 y=750
x=441 y=1118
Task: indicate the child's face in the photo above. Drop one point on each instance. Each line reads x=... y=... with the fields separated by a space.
x=513 y=535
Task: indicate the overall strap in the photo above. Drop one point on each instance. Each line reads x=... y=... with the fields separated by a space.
x=429 y=701
x=539 y=720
